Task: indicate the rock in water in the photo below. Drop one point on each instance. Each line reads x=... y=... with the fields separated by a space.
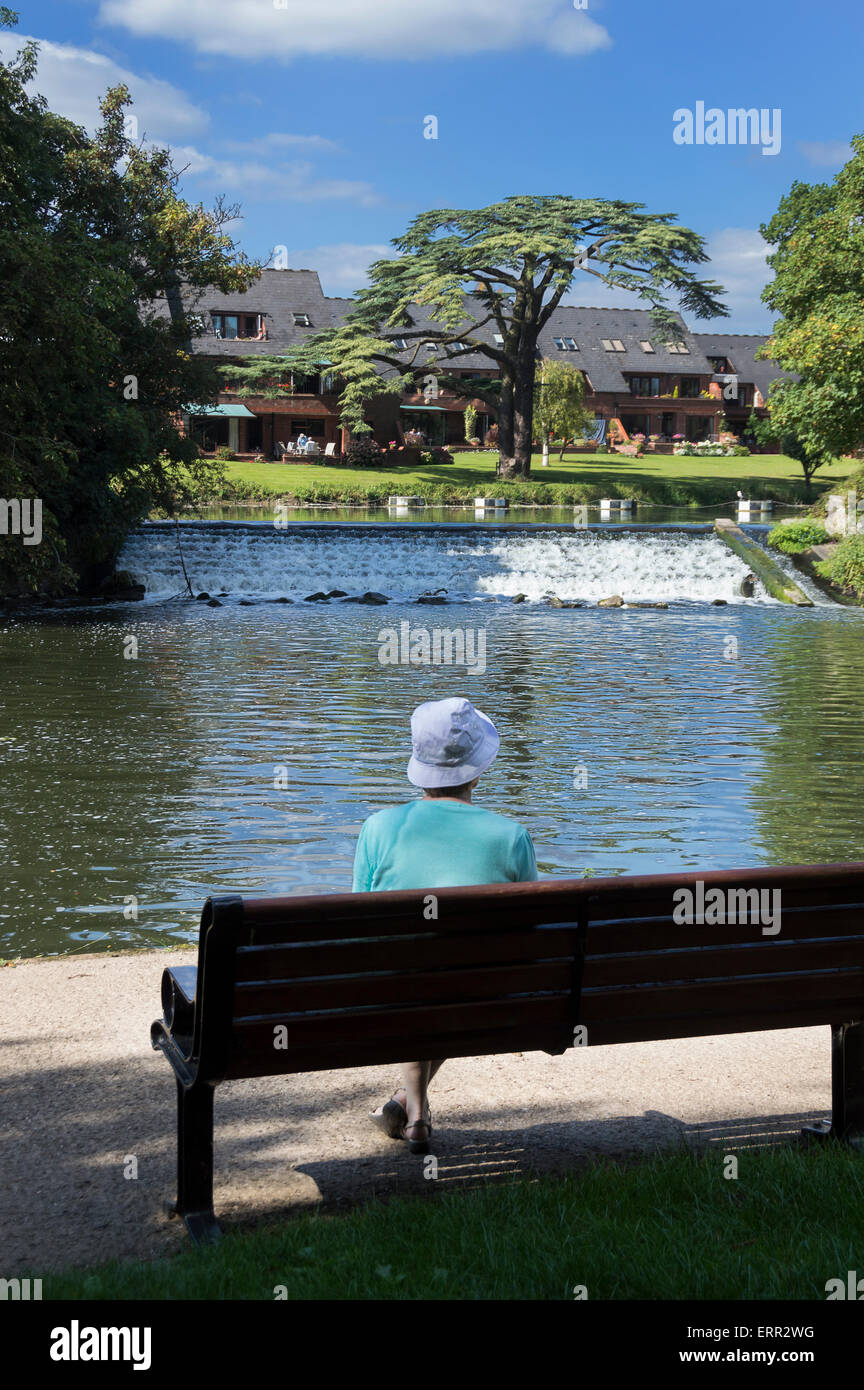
x=747 y=586
x=337 y=593
x=369 y=597
x=719 y=602
x=555 y=602
x=214 y=603
x=315 y=598
x=202 y=597
x=616 y=601
x=518 y=598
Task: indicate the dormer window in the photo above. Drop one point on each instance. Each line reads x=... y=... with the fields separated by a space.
x=248 y=326
x=499 y=339
x=302 y=321
x=678 y=347
x=400 y=344
x=612 y=344
x=646 y=346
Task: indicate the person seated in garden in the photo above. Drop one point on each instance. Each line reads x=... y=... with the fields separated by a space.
x=439 y=840
x=301 y=442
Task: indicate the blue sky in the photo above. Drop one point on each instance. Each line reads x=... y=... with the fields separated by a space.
x=310 y=113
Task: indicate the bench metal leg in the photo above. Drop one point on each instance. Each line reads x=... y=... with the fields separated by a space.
x=847 y=1088
x=195 y=1162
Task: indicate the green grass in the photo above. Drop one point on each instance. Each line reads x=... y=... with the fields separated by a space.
x=671 y=1227
x=665 y=479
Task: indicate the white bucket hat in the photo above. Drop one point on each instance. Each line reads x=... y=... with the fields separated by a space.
x=453 y=743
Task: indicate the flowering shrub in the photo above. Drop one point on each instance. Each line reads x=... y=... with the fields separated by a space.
x=706 y=448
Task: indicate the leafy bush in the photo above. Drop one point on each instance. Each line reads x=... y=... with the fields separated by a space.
x=741 y=451
x=846 y=566
x=794 y=536
x=435 y=456
x=223 y=452
x=363 y=452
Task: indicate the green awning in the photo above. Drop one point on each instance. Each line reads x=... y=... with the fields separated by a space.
x=439 y=408
x=226 y=411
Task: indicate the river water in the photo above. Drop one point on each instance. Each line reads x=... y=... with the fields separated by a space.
x=158 y=752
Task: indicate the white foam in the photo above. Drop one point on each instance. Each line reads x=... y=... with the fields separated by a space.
x=263 y=562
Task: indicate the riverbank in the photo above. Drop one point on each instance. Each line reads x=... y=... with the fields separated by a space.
x=88 y=1144
x=659 y=479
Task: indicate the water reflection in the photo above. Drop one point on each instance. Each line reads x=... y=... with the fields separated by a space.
x=155 y=779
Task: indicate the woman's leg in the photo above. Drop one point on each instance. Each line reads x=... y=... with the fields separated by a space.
x=417 y=1077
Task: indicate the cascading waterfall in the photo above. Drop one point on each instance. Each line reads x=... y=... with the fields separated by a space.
x=252 y=561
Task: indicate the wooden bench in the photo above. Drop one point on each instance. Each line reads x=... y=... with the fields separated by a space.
x=306 y=984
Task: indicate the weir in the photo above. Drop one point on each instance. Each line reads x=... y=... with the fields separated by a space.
x=258 y=561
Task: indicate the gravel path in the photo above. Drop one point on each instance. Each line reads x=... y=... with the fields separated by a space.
x=81 y=1093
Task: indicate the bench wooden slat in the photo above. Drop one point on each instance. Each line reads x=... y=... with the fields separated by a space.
x=440 y=1020
x=693 y=1000
x=605 y=1032
x=428 y=952
x=381 y=1051
x=775 y=957
x=662 y=934
x=441 y=986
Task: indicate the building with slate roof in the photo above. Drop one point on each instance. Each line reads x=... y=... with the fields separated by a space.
x=646 y=386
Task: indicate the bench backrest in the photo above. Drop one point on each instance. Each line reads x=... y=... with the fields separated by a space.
x=306 y=984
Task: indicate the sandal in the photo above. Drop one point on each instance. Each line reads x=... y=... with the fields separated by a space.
x=391 y=1118
x=419 y=1146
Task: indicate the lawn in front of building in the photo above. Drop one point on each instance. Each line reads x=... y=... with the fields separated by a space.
x=655 y=477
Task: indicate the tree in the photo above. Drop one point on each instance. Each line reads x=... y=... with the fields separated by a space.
x=94 y=349
x=558 y=402
x=818 y=291
x=503 y=269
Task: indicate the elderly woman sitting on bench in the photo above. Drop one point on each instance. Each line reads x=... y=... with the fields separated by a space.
x=440 y=840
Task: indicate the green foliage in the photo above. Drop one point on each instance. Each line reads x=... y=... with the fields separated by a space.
x=435 y=457
x=470 y=421
x=364 y=453
x=845 y=567
x=559 y=394
x=224 y=453
x=818 y=292
x=794 y=536
x=94 y=242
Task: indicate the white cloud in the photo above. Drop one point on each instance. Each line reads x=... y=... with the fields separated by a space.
x=342 y=266
x=424 y=29
x=826 y=153
x=266 y=144
x=73 y=80
x=738 y=263
x=294 y=182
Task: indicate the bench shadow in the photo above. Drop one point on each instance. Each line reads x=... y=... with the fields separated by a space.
x=476 y=1157
x=283 y=1146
